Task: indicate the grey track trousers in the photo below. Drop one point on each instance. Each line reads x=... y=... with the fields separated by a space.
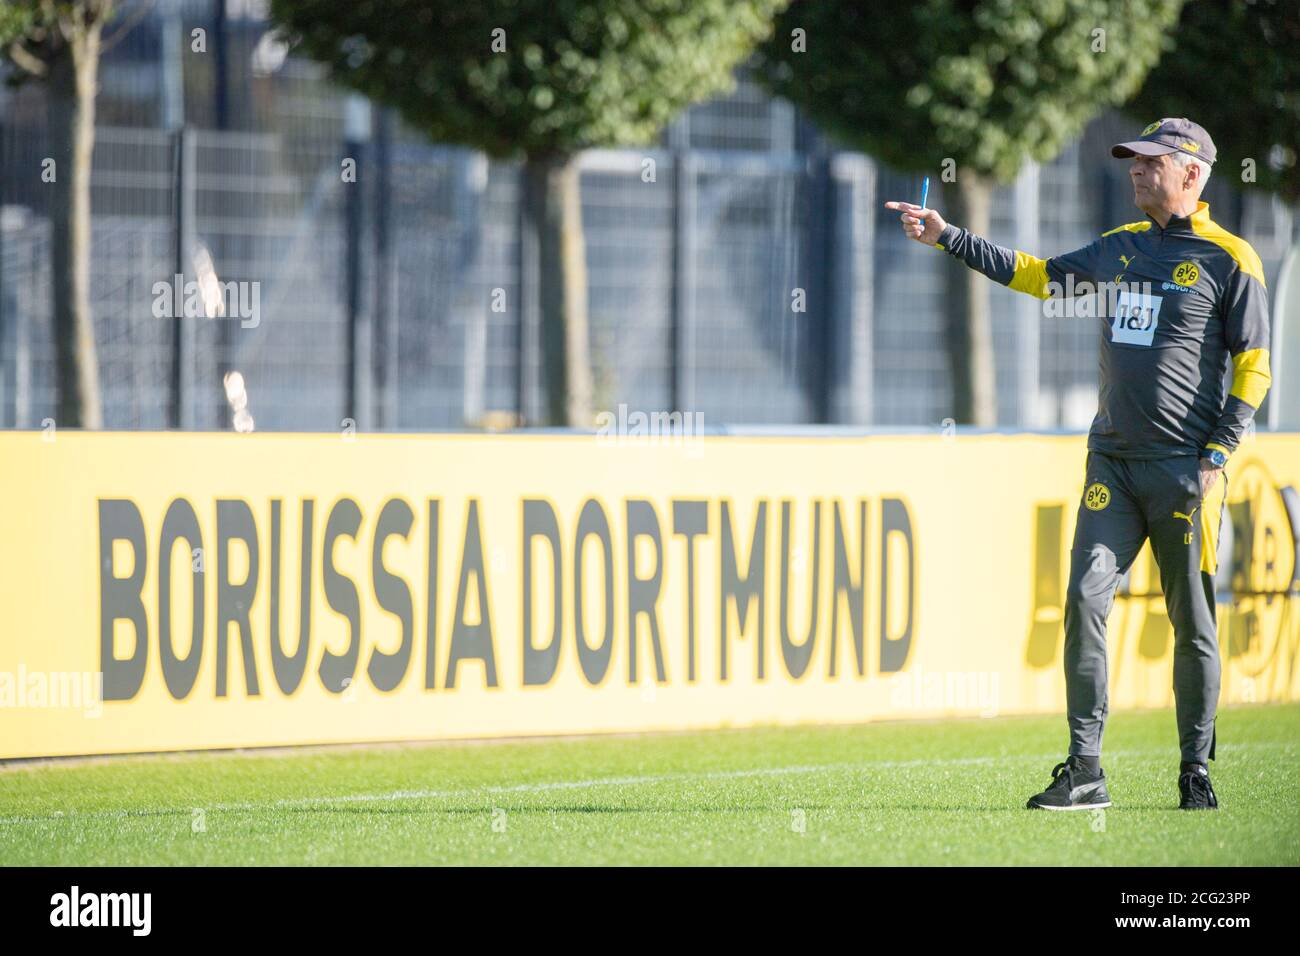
x=1125 y=502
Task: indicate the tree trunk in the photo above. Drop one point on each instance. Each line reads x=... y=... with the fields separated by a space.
x=73 y=78
x=969 y=330
x=554 y=209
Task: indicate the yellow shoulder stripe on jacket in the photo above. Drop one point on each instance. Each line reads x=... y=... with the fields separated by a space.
x=1129 y=227
x=1235 y=246
x=1251 y=376
x=1030 y=275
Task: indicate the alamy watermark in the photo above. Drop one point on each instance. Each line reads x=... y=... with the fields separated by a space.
x=75 y=690
x=132 y=911
x=207 y=297
x=635 y=427
x=919 y=689
x=1132 y=304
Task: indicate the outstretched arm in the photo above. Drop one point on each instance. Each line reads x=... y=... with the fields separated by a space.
x=1012 y=268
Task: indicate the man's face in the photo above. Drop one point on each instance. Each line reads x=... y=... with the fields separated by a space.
x=1158 y=181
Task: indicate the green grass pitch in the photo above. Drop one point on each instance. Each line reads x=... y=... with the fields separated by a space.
x=921 y=792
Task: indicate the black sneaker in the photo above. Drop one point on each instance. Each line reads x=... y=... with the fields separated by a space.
x=1073 y=788
x=1194 y=787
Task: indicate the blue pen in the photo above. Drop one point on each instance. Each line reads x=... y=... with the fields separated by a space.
x=925 y=191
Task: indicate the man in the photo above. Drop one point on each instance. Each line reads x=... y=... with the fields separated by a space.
x=1190 y=301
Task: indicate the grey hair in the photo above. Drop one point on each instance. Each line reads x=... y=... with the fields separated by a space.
x=1183 y=159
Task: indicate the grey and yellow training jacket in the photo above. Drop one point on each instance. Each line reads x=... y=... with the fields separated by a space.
x=1178 y=306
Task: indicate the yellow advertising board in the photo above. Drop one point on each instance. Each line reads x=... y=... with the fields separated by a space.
x=165 y=591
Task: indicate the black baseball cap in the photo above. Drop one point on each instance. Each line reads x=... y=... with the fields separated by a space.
x=1169 y=135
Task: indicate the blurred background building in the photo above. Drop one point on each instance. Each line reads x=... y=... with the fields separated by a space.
x=692 y=274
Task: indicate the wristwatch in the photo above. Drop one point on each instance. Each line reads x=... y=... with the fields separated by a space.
x=1217 y=458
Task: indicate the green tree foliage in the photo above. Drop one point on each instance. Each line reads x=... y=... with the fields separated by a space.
x=542 y=80
x=1235 y=69
x=979 y=85
x=16 y=22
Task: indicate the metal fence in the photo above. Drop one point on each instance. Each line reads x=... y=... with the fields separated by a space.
x=754 y=278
